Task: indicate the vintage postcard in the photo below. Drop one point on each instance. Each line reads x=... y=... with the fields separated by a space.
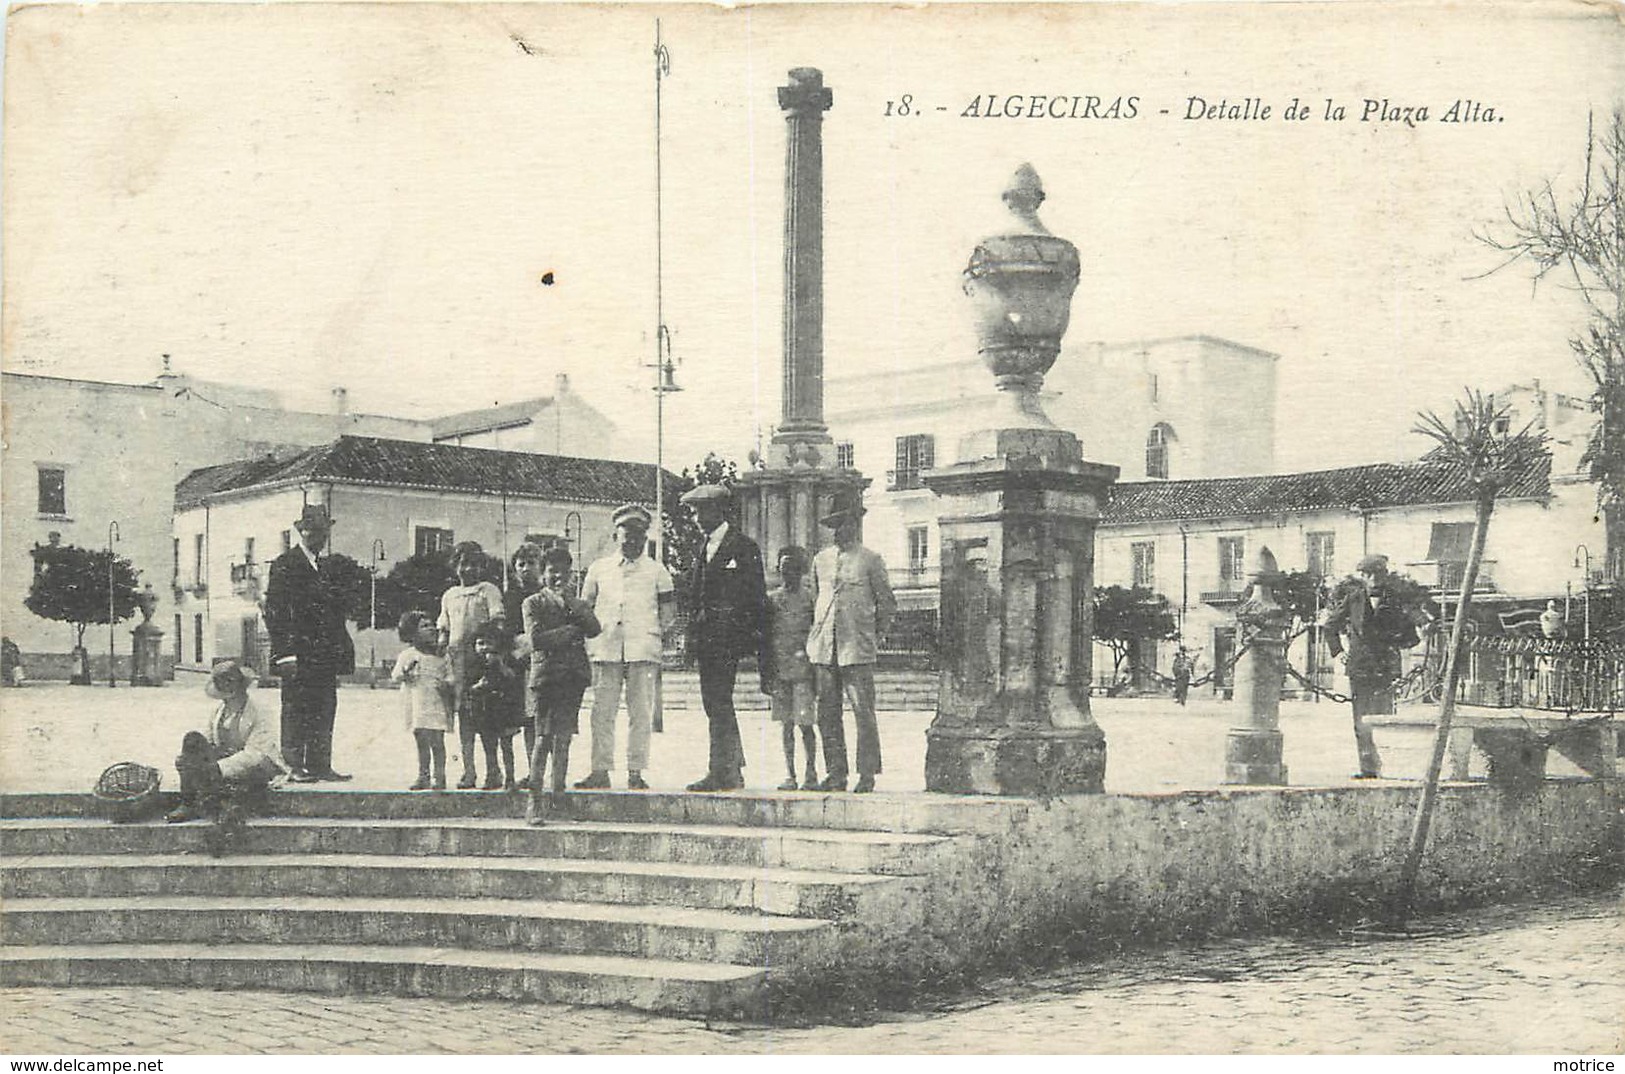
x=1051 y=528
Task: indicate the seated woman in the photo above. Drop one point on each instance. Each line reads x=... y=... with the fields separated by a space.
x=239 y=753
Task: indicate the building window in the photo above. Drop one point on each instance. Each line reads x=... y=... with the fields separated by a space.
x=1144 y=554
x=845 y=458
x=427 y=540
x=1448 y=546
x=919 y=548
x=1232 y=568
x=175 y=573
x=248 y=549
x=197 y=559
x=287 y=540
x=180 y=635
x=1156 y=450
x=1322 y=554
x=1153 y=378
x=53 y=491
x=914 y=454
x=197 y=639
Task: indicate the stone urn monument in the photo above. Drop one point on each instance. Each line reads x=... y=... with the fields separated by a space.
x=146 y=643
x=1017 y=529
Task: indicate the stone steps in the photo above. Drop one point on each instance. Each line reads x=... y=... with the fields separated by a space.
x=675 y=902
x=716 y=887
x=840 y=851
x=663 y=933
x=645 y=984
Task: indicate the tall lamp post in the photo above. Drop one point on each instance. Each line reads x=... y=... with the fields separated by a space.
x=112 y=649
x=1580 y=551
x=372 y=620
x=663 y=367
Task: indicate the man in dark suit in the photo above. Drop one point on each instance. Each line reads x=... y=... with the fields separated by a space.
x=310 y=647
x=728 y=612
x=1377 y=627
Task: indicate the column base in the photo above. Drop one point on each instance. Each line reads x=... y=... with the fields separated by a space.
x=1254 y=758
x=1015 y=762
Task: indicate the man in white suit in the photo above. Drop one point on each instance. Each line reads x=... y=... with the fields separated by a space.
x=852 y=606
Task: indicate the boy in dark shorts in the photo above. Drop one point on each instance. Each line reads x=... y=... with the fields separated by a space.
x=557 y=625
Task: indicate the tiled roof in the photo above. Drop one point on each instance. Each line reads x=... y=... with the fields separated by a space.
x=406 y=463
x=1353 y=487
x=500 y=416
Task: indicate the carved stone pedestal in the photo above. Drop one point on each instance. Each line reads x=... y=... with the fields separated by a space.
x=1252 y=753
x=146 y=655
x=1017 y=536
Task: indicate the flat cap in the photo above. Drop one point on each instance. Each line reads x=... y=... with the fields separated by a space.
x=631 y=514
x=1371 y=565
x=707 y=494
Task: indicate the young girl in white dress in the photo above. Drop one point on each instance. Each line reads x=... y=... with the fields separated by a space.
x=426 y=691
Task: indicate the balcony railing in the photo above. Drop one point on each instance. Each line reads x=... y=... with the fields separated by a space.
x=914 y=576
x=1448 y=575
x=1228 y=592
x=902 y=480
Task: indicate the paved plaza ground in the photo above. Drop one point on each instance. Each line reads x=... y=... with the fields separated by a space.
x=1543 y=979
x=55 y=737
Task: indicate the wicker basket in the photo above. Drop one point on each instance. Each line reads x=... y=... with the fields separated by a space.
x=128 y=792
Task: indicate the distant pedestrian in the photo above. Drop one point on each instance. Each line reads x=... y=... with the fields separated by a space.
x=632 y=597
x=852 y=607
x=786 y=673
x=426 y=696
x=729 y=603
x=556 y=626
x=464 y=608
x=1183 y=666
x=310 y=647
x=236 y=755
x=1365 y=609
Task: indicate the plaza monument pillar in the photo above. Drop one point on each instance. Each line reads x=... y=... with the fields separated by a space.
x=1252 y=753
x=796 y=480
x=1019 y=509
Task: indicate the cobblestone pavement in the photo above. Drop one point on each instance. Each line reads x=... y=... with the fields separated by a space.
x=55 y=737
x=1506 y=980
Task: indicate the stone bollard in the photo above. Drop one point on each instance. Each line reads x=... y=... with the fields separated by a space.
x=1252 y=752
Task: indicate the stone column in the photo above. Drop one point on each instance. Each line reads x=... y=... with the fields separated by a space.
x=1019 y=510
x=804 y=100
x=797 y=472
x=1252 y=752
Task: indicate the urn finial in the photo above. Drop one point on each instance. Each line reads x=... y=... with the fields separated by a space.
x=1023 y=197
x=1020 y=283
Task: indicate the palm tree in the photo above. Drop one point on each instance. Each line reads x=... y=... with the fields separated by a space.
x=1476 y=441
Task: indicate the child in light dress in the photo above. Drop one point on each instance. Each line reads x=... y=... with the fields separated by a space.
x=427 y=696
x=464 y=609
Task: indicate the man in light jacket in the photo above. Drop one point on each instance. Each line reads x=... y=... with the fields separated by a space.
x=852 y=606
x=239 y=753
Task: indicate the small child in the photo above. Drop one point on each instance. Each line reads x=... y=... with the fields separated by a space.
x=787 y=674
x=494 y=706
x=427 y=695
x=464 y=608
x=556 y=625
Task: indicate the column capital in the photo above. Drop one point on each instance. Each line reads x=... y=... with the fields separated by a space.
x=806 y=95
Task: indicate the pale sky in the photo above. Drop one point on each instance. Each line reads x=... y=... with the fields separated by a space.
x=303 y=197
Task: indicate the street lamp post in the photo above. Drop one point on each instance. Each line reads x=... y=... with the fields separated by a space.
x=112 y=648
x=372 y=620
x=1585 y=583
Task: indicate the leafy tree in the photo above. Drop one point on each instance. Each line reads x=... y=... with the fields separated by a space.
x=1124 y=617
x=1580 y=236
x=71 y=586
x=355 y=584
x=415 y=584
